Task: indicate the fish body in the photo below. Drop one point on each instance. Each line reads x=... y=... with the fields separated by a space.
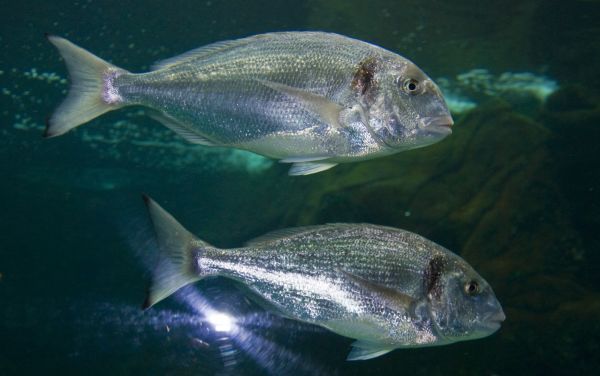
x=309 y=98
x=386 y=288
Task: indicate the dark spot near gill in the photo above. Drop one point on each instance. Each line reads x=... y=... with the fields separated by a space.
x=433 y=272
x=364 y=78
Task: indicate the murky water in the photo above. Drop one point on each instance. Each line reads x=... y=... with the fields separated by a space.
x=513 y=190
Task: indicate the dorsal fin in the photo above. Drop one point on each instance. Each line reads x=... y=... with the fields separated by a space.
x=280 y=234
x=202 y=52
x=210 y=49
x=287 y=233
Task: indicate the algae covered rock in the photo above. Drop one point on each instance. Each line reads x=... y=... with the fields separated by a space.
x=493 y=193
x=479 y=192
x=574 y=115
x=440 y=38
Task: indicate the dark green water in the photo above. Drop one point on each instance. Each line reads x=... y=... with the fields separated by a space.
x=514 y=190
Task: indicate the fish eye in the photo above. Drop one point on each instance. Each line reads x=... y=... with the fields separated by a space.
x=411 y=86
x=472 y=288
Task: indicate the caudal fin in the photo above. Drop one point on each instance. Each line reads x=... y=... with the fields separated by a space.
x=177 y=265
x=91 y=93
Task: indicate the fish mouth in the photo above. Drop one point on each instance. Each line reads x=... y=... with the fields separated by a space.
x=439 y=125
x=493 y=320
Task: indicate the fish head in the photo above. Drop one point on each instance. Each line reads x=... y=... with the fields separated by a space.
x=405 y=108
x=462 y=304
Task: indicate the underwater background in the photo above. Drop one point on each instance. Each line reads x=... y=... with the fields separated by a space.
x=514 y=190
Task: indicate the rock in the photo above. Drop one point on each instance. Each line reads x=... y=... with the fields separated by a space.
x=491 y=192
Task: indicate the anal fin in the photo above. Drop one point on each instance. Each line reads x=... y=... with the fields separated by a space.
x=180 y=128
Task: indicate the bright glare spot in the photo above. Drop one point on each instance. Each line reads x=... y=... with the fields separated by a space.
x=221 y=321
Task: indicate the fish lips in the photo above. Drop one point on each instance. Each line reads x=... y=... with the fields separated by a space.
x=437 y=126
x=489 y=322
x=433 y=129
x=493 y=320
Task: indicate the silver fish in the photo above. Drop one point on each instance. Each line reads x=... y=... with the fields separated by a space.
x=387 y=288
x=308 y=98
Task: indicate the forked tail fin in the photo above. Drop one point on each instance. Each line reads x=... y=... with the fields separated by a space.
x=91 y=93
x=177 y=265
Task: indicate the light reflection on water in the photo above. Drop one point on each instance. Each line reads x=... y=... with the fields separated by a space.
x=238 y=330
x=224 y=322
x=189 y=337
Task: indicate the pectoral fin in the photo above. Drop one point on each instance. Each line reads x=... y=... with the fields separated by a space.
x=362 y=350
x=373 y=336
x=326 y=109
x=302 y=159
x=307 y=168
x=388 y=296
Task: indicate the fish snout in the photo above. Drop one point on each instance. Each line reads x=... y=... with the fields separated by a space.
x=441 y=125
x=494 y=316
